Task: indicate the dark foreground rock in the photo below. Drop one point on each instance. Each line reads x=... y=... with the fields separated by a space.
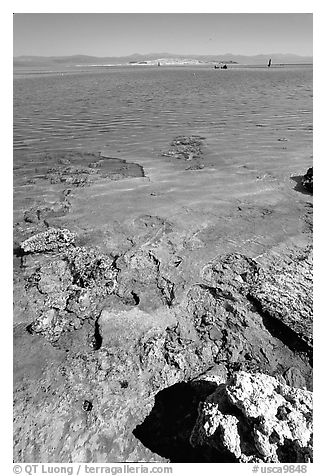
x=307 y=180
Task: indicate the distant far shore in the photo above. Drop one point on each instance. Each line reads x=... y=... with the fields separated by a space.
x=162 y=58
x=84 y=68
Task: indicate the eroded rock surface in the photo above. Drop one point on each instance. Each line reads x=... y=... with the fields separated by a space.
x=67 y=291
x=236 y=329
x=125 y=339
x=284 y=295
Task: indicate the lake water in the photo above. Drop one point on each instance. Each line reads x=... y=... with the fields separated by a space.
x=258 y=113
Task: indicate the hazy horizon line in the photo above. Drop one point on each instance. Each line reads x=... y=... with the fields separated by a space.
x=162 y=53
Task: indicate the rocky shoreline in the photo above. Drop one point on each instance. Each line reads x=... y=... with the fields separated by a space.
x=133 y=342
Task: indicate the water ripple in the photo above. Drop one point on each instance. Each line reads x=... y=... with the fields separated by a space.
x=150 y=107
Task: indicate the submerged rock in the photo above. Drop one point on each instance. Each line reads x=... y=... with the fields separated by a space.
x=73 y=176
x=185 y=147
x=80 y=169
x=255 y=418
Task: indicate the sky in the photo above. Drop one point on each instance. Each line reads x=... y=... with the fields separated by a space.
x=117 y=34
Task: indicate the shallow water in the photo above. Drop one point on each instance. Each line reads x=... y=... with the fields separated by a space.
x=245 y=114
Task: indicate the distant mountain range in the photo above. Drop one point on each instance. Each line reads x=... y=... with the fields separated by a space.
x=45 y=61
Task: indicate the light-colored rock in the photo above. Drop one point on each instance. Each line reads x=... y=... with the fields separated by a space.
x=278 y=417
x=254 y=394
x=213 y=420
x=50 y=240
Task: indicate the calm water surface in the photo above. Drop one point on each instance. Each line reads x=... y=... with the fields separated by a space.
x=138 y=111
